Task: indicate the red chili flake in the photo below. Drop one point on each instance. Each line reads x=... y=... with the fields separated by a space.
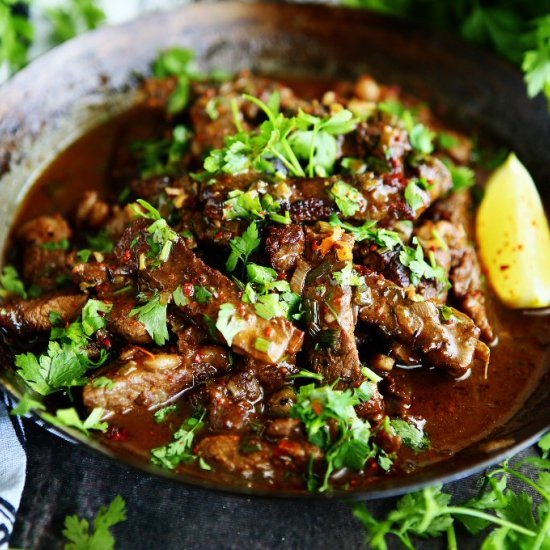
x=218 y=236
x=287 y=447
x=504 y=267
x=269 y=331
x=115 y=433
x=188 y=289
x=282 y=276
x=317 y=407
x=127 y=256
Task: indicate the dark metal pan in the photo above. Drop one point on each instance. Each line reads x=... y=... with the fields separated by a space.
x=69 y=90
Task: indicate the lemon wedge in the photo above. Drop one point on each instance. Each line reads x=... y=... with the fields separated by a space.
x=514 y=238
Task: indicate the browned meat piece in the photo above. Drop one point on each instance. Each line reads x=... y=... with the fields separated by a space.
x=382 y=261
x=310 y=199
x=141 y=379
x=45 y=267
x=271 y=377
x=254 y=458
x=92 y=212
x=329 y=310
x=447 y=344
x=285 y=427
x=231 y=402
x=460 y=258
x=281 y=402
x=455 y=208
x=284 y=245
x=27 y=316
x=124 y=325
x=183 y=267
x=225 y=452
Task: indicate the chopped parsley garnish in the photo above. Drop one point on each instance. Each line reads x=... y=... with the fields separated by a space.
x=229 y=323
x=412 y=258
x=162 y=414
x=349 y=443
x=348 y=276
x=446 y=312
x=202 y=294
x=63 y=417
x=411 y=436
x=414 y=196
x=282 y=142
x=77 y=530
x=10 y=283
x=162 y=236
x=252 y=205
x=462 y=176
x=101 y=242
x=66 y=360
x=348 y=199
x=181 y=448
x=162 y=157
x=63 y=244
x=242 y=247
x=153 y=315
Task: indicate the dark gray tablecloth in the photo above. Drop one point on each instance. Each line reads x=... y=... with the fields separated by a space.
x=63 y=479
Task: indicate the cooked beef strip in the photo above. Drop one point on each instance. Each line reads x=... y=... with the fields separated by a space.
x=231 y=401
x=465 y=270
x=24 y=317
x=383 y=261
x=183 y=267
x=123 y=324
x=254 y=458
x=284 y=246
x=91 y=211
x=330 y=312
x=42 y=267
x=450 y=345
x=149 y=380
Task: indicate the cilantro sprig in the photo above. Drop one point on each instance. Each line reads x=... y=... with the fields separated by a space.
x=66 y=360
x=300 y=145
x=510 y=514
x=411 y=257
x=77 y=530
x=253 y=205
x=181 y=448
x=152 y=314
x=352 y=443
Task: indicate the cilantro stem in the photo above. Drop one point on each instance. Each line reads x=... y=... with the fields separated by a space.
x=314 y=133
x=451 y=538
x=298 y=170
x=525 y=479
x=543 y=532
x=236 y=115
x=461 y=511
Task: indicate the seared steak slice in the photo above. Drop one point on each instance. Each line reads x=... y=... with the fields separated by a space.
x=448 y=344
x=330 y=316
x=183 y=267
x=27 y=316
x=284 y=245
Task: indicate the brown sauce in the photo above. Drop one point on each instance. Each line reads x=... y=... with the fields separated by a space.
x=457 y=413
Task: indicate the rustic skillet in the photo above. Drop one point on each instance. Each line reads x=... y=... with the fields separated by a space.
x=74 y=87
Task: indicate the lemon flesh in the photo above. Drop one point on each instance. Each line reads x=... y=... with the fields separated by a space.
x=514 y=238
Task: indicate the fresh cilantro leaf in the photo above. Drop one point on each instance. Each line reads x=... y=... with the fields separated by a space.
x=348 y=199
x=101 y=242
x=242 y=247
x=63 y=244
x=229 y=323
x=73 y=18
x=368 y=231
x=251 y=205
x=349 y=443
x=544 y=444
x=414 y=196
x=84 y=255
x=422 y=139
x=348 y=276
x=163 y=157
x=269 y=306
x=77 y=530
x=153 y=315
x=103 y=382
x=411 y=436
x=260 y=274
x=162 y=414
x=462 y=176
x=413 y=258
x=92 y=318
x=202 y=295
x=181 y=449
x=16 y=35
x=10 y=283
x=180 y=299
